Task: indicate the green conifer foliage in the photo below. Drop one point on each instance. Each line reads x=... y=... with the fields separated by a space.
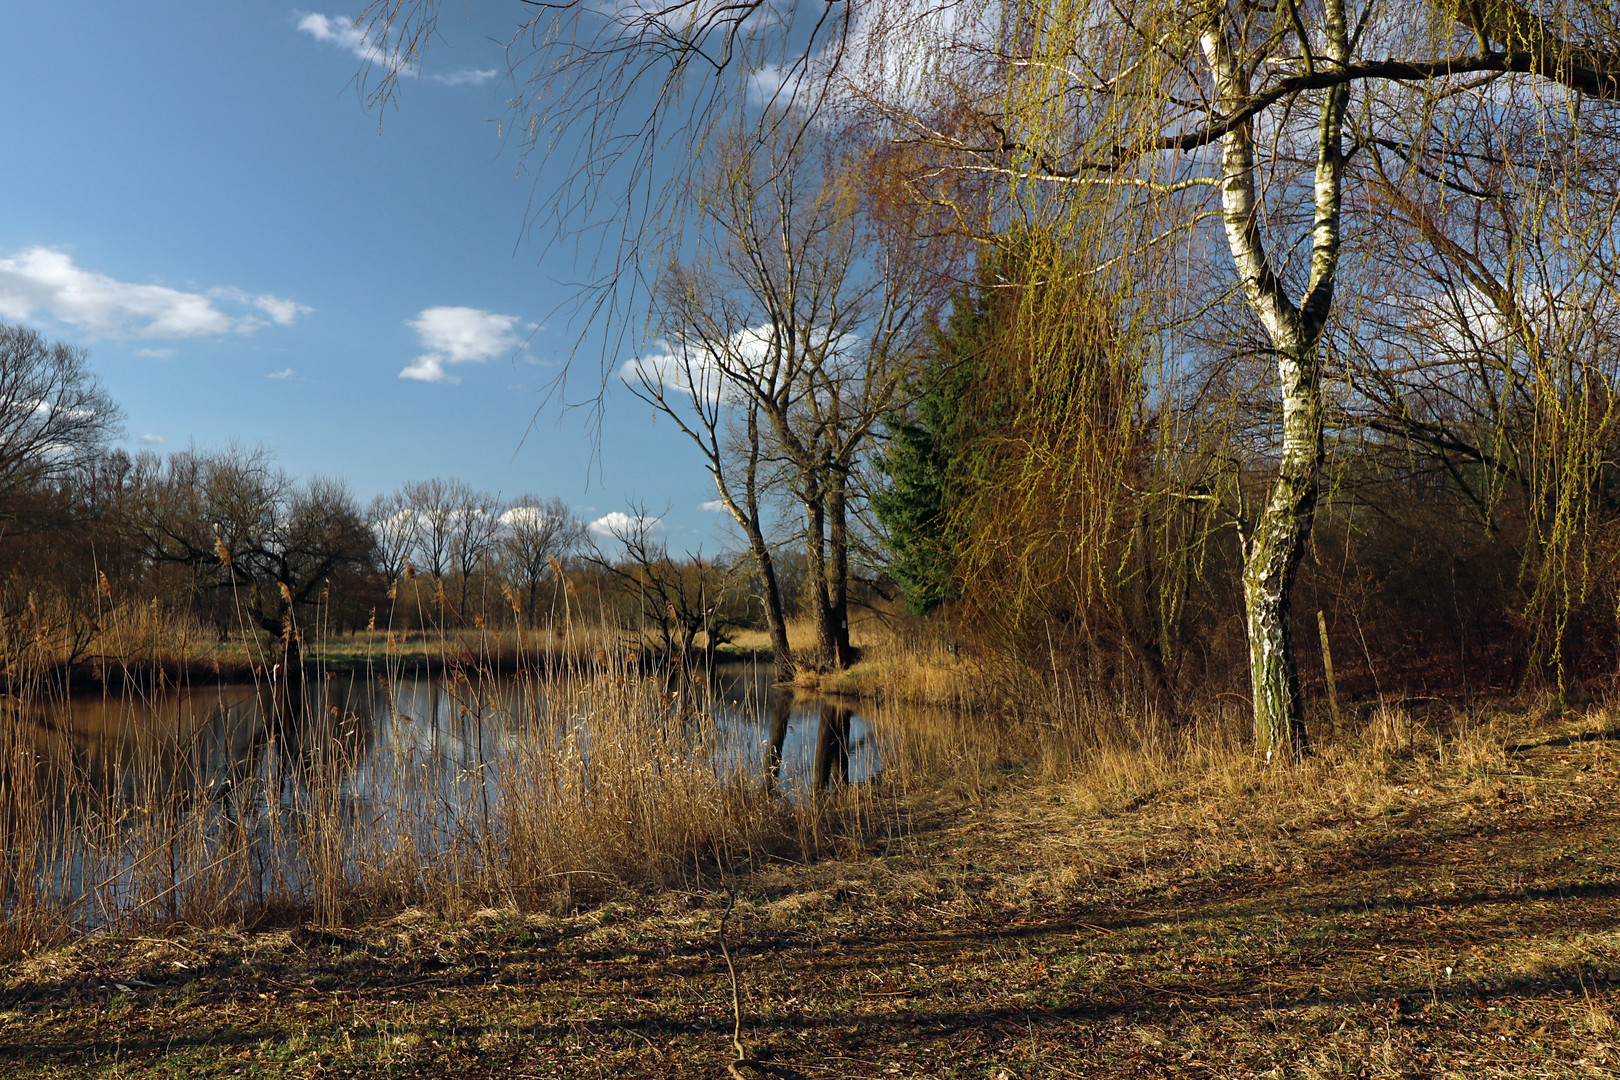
x=928 y=460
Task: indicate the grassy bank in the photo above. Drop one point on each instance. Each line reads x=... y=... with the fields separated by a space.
x=1435 y=899
x=176 y=658
x=898 y=660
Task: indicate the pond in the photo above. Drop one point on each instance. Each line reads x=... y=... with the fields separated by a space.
x=209 y=735
x=195 y=803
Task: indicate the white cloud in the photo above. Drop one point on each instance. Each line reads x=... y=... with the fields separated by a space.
x=284 y=373
x=619 y=523
x=281 y=312
x=896 y=56
x=714 y=506
x=466 y=77
x=459 y=335
x=46 y=280
x=156 y=354
x=339 y=30
x=700 y=373
x=525 y=517
x=696 y=371
x=150 y=438
x=44 y=410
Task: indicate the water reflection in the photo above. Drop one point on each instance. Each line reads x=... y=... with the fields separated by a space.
x=211 y=739
x=199 y=800
x=832 y=745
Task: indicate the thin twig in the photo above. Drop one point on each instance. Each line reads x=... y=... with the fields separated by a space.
x=736 y=1066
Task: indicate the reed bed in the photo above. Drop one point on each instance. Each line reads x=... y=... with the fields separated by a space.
x=562 y=786
x=534 y=793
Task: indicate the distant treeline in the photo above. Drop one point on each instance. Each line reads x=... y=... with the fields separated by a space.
x=105 y=556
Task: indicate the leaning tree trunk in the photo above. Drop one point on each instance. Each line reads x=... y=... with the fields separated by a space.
x=1277 y=541
x=775 y=612
x=1272 y=557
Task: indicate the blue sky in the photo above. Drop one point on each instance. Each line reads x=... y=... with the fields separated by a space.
x=195 y=192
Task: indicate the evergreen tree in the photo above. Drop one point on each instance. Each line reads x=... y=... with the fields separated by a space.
x=930 y=448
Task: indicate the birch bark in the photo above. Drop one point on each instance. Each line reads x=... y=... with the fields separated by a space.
x=1275 y=543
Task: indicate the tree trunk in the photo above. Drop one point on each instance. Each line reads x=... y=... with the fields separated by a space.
x=816 y=565
x=775 y=613
x=838 y=585
x=1272 y=558
x=1272 y=549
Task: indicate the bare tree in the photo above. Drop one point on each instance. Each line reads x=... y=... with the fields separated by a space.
x=474 y=527
x=247 y=530
x=433 y=505
x=681 y=598
x=620 y=99
x=54 y=416
x=1489 y=348
x=798 y=331
x=393 y=526
x=535 y=533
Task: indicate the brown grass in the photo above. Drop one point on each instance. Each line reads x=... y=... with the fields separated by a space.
x=1437 y=897
x=563 y=790
x=898 y=660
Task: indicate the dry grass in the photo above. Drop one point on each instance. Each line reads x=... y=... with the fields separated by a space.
x=1082 y=896
x=538 y=795
x=1068 y=888
x=898 y=660
x=122 y=642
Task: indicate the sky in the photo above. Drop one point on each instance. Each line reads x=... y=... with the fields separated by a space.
x=195 y=192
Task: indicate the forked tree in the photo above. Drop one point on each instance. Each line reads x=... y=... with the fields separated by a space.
x=792 y=321
x=1256 y=115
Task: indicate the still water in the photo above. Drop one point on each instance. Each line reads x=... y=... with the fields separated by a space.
x=114 y=802
x=208 y=738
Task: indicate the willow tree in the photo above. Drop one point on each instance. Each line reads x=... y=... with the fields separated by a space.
x=1491 y=348
x=1250 y=115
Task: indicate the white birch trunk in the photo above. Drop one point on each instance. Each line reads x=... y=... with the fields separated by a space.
x=1276 y=542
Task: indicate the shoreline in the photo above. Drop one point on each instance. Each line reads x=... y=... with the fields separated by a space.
x=99 y=674
x=1022 y=923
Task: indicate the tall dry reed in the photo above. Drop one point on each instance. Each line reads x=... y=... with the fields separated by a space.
x=529 y=793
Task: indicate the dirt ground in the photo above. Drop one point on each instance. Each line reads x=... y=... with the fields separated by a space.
x=1455 y=919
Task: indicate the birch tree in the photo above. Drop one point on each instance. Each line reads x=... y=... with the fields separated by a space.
x=1202 y=86
x=1141 y=127
x=1250 y=116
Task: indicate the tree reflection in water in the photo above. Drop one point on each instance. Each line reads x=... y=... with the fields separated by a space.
x=832 y=746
